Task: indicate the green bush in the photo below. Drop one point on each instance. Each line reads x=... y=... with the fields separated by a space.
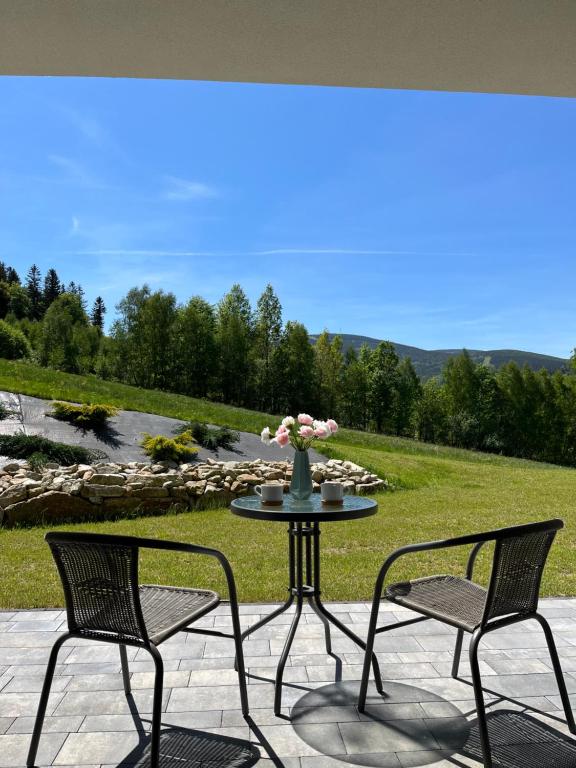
x=209 y=437
x=21 y=446
x=13 y=343
x=38 y=461
x=161 y=448
x=87 y=416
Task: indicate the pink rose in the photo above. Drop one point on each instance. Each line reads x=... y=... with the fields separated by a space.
x=282 y=438
x=303 y=418
x=281 y=429
x=321 y=430
x=306 y=432
x=332 y=426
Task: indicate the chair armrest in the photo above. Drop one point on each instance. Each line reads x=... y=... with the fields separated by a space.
x=476 y=539
x=472 y=558
x=194 y=549
x=136 y=542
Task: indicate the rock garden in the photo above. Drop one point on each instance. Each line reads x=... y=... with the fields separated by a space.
x=107 y=490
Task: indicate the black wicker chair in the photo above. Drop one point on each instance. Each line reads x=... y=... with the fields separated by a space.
x=520 y=554
x=104 y=601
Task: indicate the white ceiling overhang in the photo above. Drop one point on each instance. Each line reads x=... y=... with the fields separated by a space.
x=499 y=46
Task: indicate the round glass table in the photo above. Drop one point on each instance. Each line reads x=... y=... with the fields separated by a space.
x=304 y=518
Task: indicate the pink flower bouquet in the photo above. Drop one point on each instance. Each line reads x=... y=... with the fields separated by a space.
x=300 y=432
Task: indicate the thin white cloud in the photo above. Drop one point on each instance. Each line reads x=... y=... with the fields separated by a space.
x=90 y=128
x=352 y=252
x=272 y=252
x=187 y=189
x=74 y=172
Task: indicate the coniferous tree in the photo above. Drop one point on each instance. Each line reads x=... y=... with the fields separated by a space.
x=34 y=291
x=5 y=297
x=52 y=288
x=77 y=290
x=8 y=274
x=97 y=314
x=82 y=297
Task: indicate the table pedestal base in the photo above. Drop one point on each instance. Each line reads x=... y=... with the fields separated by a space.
x=304 y=558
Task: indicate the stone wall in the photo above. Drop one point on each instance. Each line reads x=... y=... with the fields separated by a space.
x=102 y=491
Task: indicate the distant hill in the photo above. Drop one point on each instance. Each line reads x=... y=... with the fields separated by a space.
x=430 y=363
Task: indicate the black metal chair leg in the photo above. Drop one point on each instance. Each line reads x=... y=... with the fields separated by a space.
x=156 y=707
x=297 y=534
x=557 y=671
x=43 y=703
x=239 y=659
x=457 y=652
x=479 y=696
x=369 y=651
x=125 y=670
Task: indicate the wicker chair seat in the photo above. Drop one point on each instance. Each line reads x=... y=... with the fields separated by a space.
x=451 y=599
x=168 y=609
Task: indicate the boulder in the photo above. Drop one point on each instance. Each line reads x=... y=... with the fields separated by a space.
x=50 y=506
x=13 y=495
x=103 y=491
x=12 y=468
x=150 y=493
x=107 y=479
x=249 y=479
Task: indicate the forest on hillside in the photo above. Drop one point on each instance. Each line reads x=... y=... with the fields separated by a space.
x=249 y=356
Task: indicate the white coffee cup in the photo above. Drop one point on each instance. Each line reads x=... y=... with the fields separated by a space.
x=332 y=492
x=270 y=493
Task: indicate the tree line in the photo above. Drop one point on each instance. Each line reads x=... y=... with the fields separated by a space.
x=248 y=356
x=48 y=320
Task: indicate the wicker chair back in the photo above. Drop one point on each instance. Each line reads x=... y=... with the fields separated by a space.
x=516 y=573
x=100 y=581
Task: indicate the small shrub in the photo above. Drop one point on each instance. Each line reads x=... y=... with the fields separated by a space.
x=5 y=412
x=210 y=437
x=38 y=461
x=161 y=448
x=21 y=446
x=87 y=416
x=13 y=344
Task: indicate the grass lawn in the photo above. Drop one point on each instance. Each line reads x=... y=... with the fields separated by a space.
x=29 y=379
x=443 y=492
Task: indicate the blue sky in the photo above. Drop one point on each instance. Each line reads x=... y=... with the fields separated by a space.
x=433 y=219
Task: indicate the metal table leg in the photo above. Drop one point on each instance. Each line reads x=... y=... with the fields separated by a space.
x=298 y=591
x=304 y=557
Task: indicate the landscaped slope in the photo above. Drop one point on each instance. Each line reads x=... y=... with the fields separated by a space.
x=444 y=492
x=30 y=379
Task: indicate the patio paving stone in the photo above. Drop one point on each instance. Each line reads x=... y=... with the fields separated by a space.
x=424 y=722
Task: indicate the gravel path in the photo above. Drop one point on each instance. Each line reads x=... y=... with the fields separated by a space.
x=121 y=443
